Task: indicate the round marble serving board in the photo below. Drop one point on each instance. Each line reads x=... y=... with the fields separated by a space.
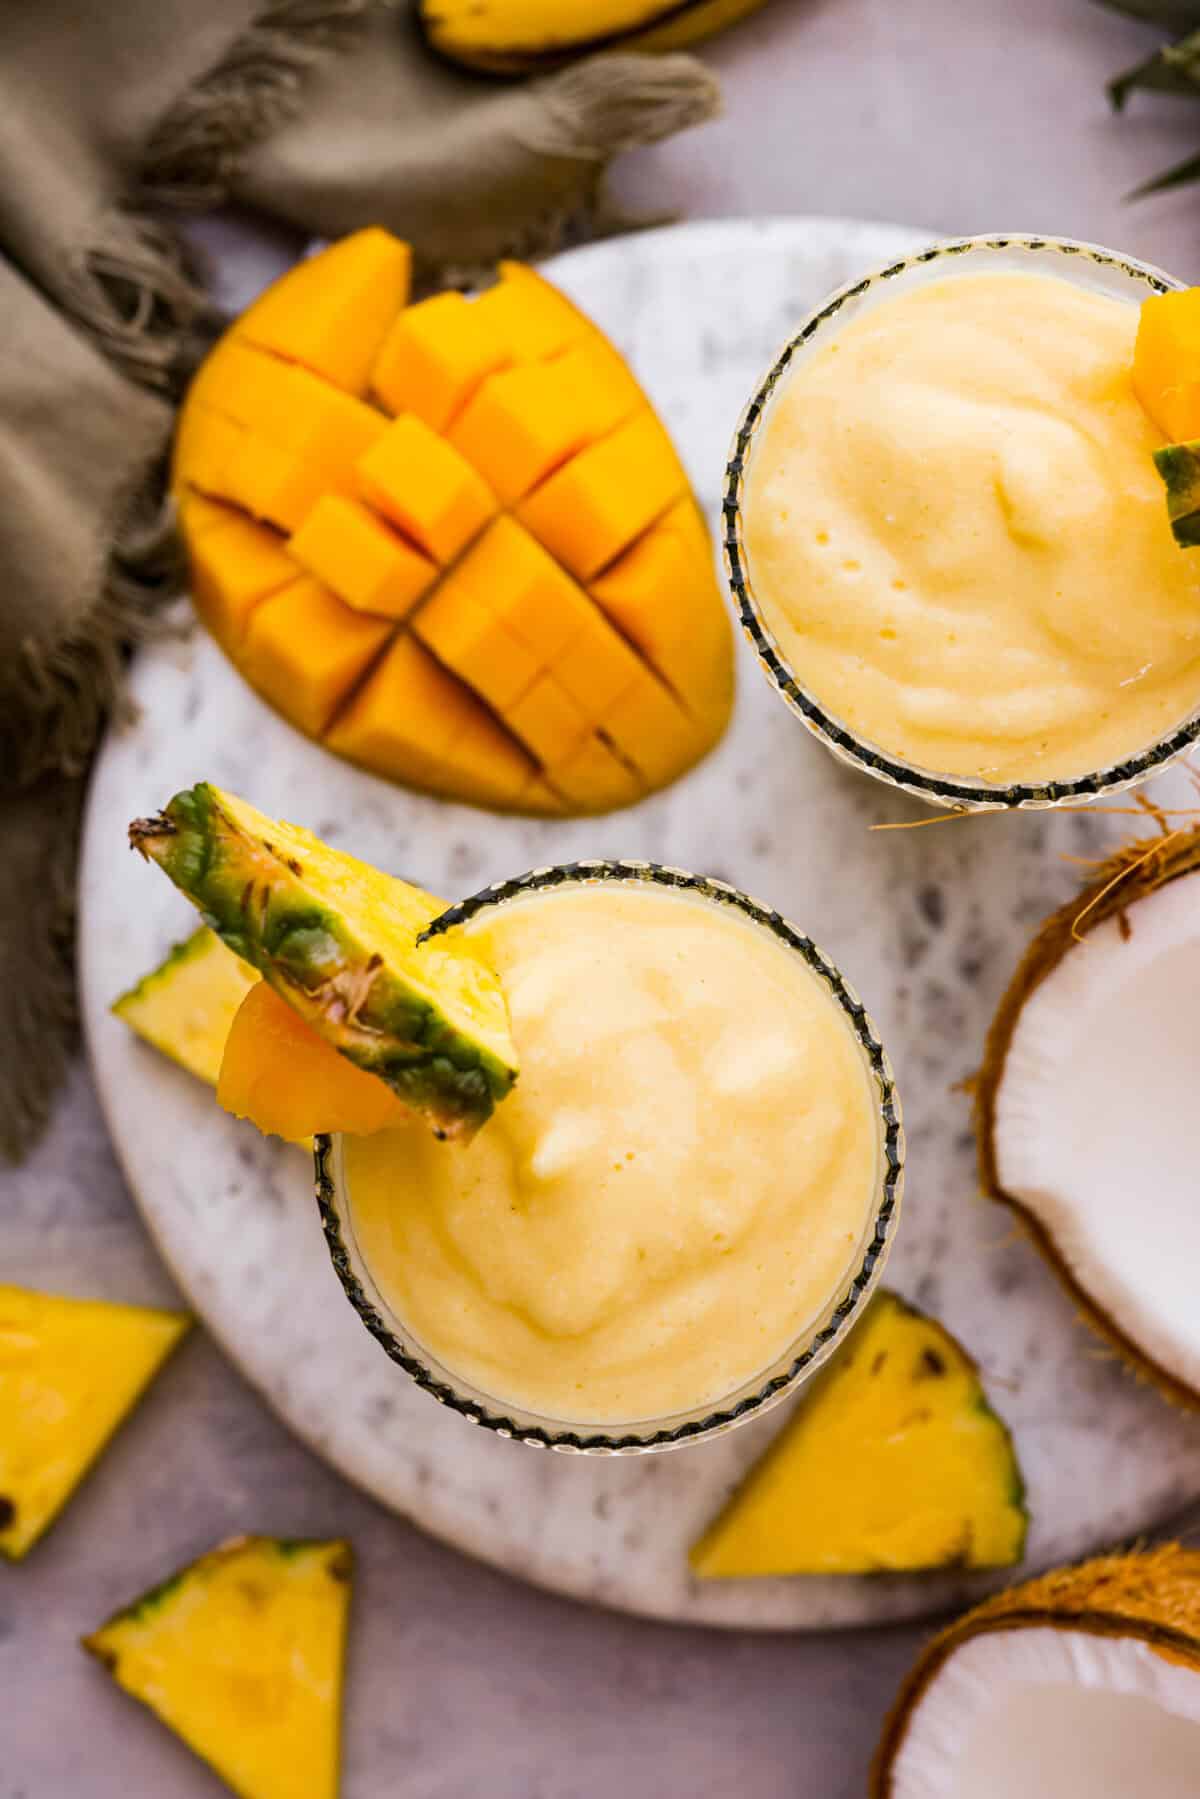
x=928 y=924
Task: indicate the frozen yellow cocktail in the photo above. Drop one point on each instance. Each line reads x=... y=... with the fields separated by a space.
x=951 y=527
x=692 y=1181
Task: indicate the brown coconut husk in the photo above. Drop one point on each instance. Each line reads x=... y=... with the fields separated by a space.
x=1152 y=1596
x=1136 y=870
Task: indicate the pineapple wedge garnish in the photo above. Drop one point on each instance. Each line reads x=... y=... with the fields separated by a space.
x=343 y=944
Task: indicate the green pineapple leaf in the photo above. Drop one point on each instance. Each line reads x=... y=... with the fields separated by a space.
x=1179 y=176
x=1175 y=69
x=1172 y=15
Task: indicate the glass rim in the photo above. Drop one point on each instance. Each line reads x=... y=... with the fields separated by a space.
x=807 y=1351
x=964 y=793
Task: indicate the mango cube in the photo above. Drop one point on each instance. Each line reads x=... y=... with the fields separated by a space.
x=205 y=444
x=523 y=422
x=491 y=769
x=414 y=477
x=244 y=384
x=468 y=640
x=413 y=721
x=332 y=312
x=597 y=503
x=404 y=715
x=1166 y=363
x=548 y=721
x=290 y=1082
x=539 y=797
x=270 y=483
x=434 y=357
x=648 y=728
x=304 y=650
x=662 y=594
x=235 y=564
x=287 y=406
x=363 y=560
x=597 y=666
x=509 y=572
x=198 y=514
x=593 y=778
x=529 y=316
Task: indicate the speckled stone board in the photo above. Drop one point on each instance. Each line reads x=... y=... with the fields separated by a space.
x=928 y=925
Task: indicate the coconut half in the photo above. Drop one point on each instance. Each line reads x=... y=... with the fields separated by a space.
x=1088 y=1104
x=1084 y=1684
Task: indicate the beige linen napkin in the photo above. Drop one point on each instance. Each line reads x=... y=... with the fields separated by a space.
x=327 y=114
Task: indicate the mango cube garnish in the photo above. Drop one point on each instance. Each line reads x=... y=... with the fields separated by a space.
x=1166 y=380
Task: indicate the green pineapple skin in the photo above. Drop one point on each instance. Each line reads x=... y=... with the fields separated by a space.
x=311 y=955
x=1179 y=466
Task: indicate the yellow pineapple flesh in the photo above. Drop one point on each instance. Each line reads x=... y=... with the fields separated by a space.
x=894 y=1461
x=70 y=1370
x=241 y=1655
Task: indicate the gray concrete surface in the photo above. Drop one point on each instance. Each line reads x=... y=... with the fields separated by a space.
x=955 y=114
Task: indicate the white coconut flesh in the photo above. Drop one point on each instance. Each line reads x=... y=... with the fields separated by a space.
x=1046 y=1713
x=1097 y=1120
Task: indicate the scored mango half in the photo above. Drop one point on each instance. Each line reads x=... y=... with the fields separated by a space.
x=452 y=541
x=344 y=945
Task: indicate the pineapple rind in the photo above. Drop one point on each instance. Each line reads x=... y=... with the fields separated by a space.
x=1179 y=466
x=339 y=942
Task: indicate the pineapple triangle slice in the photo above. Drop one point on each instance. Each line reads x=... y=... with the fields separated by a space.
x=186 y=1006
x=241 y=1655
x=894 y=1461
x=70 y=1369
x=345 y=945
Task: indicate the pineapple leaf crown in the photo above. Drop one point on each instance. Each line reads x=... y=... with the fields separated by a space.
x=1174 y=68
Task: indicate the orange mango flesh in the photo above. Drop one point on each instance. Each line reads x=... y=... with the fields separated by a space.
x=283 y=1077
x=303 y=649
x=419 y=481
x=1166 y=363
x=415 y=721
x=332 y=312
x=361 y=558
x=593 y=507
x=236 y=565
x=452 y=541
